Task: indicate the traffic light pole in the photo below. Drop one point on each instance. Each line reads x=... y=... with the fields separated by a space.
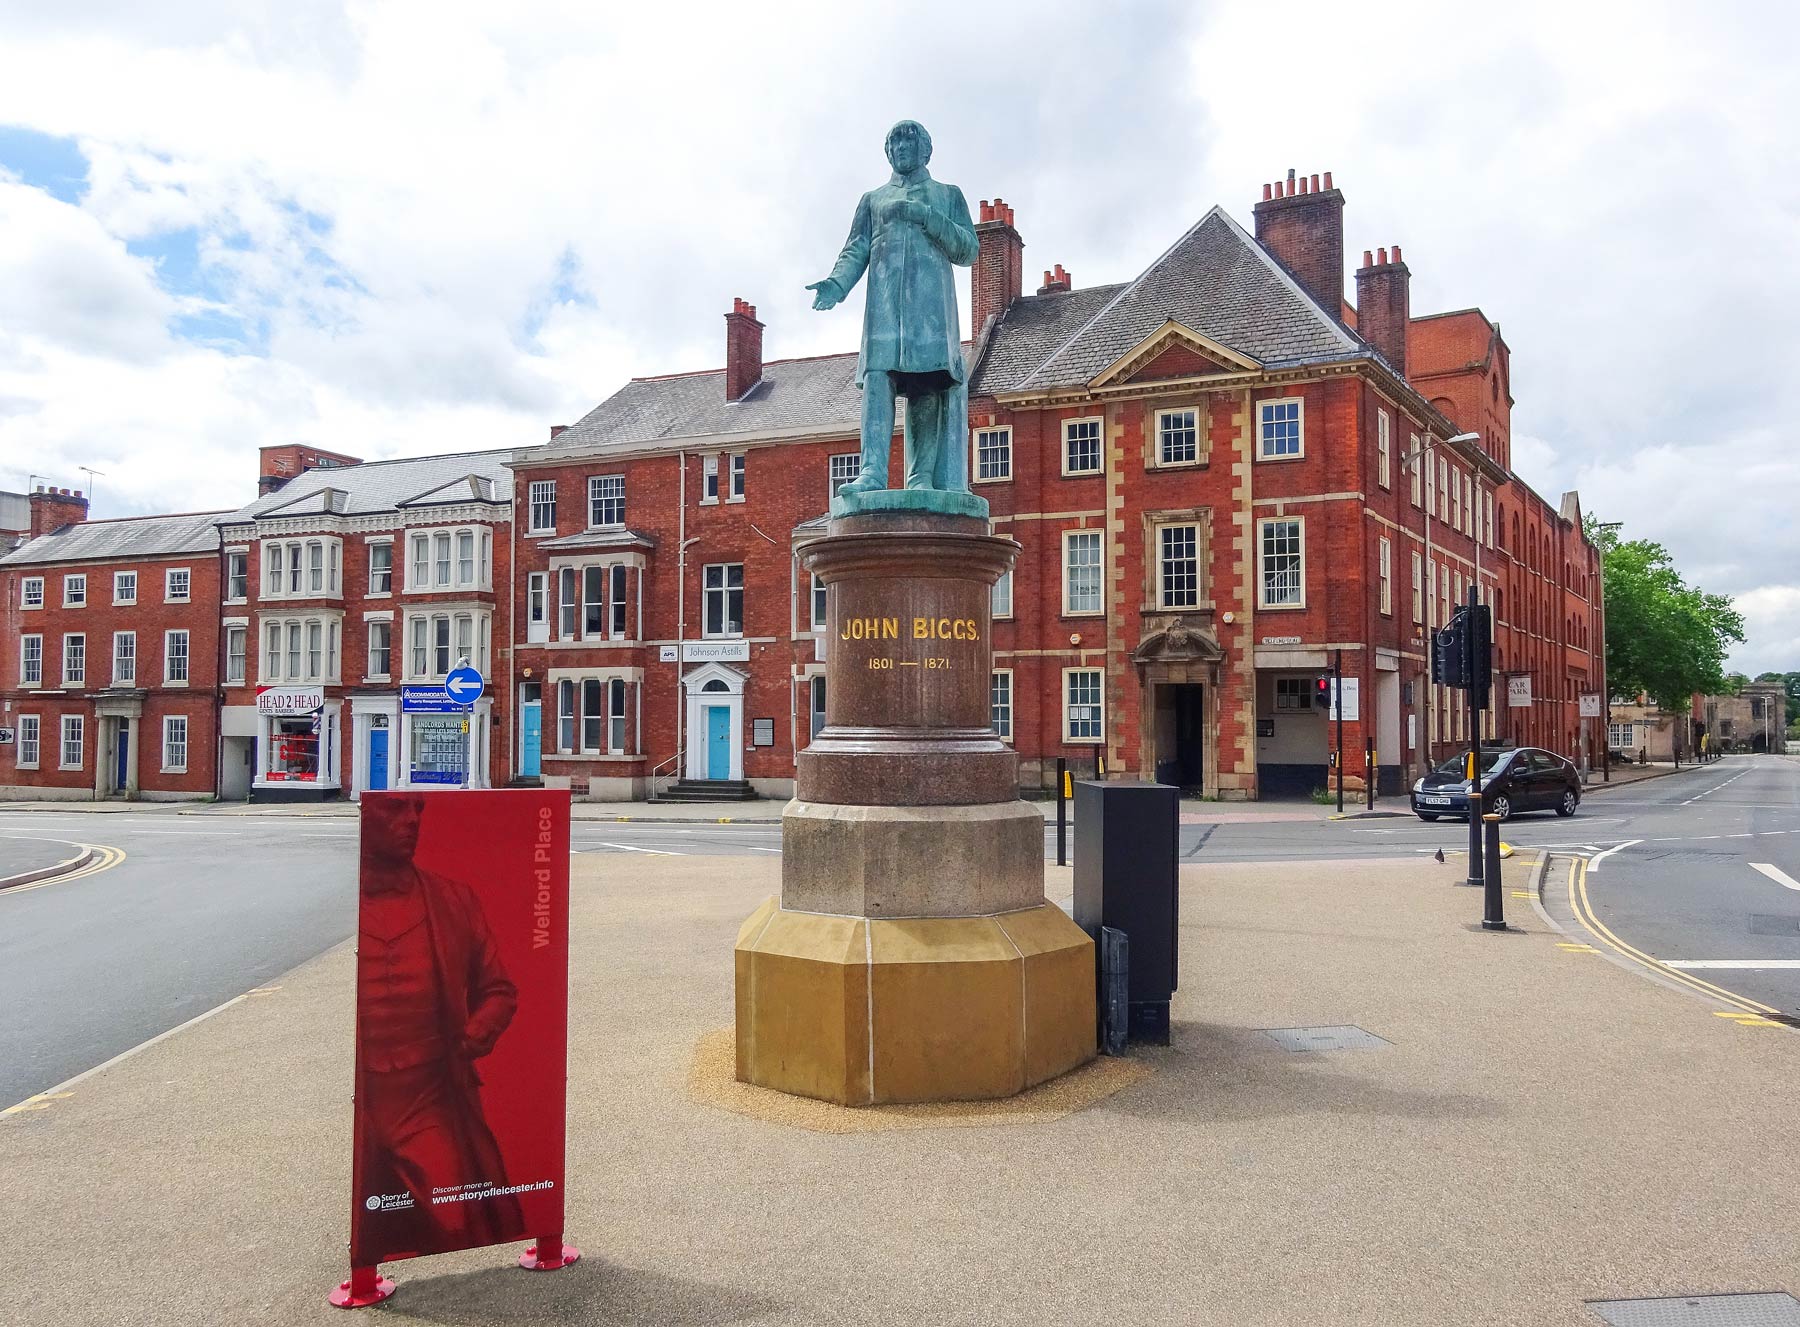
x=1476 y=804
x=1337 y=699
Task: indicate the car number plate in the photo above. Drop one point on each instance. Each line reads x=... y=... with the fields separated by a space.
x=1435 y=801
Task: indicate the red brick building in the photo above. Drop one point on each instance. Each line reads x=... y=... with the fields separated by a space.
x=107 y=686
x=1223 y=476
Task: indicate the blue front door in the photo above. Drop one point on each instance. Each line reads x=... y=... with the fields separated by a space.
x=122 y=765
x=378 y=759
x=718 y=742
x=531 y=739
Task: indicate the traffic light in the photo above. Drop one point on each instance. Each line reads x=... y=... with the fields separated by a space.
x=1449 y=652
x=1322 y=691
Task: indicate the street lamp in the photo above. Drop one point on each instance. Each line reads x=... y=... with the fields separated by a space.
x=1605 y=681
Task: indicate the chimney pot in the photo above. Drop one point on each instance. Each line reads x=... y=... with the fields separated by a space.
x=1368 y=258
x=1290 y=179
x=1396 y=253
x=1382 y=254
x=1328 y=179
x=1302 y=184
x=1315 y=184
x=1267 y=193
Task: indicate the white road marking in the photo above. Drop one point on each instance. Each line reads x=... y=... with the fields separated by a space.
x=1776 y=874
x=1594 y=862
x=654 y=852
x=1736 y=964
x=1715 y=788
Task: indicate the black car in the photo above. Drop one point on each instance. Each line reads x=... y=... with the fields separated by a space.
x=1525 y=778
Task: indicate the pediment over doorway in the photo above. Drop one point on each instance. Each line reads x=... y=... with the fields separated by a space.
x=1179 y=643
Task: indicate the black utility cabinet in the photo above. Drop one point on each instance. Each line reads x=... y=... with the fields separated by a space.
x=1125 y=877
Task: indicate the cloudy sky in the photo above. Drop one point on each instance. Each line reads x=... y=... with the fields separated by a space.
x=395 y=228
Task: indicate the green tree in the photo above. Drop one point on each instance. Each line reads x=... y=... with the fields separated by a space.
x=1664 y=637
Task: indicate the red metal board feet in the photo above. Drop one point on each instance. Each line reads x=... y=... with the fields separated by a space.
x=530 y=1261
x=366 y=1286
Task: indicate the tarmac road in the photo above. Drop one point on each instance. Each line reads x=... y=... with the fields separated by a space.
x=188 y=912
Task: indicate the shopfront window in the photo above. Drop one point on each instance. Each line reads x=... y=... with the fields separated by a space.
x=440 y=749
x=294 y=748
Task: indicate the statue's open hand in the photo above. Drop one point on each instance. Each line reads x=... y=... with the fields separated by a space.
x=913 y=211
x=825 y=294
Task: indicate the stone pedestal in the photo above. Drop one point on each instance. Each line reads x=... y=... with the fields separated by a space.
x=911 y=956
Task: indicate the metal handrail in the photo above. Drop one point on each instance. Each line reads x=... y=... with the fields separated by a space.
x=673 y=767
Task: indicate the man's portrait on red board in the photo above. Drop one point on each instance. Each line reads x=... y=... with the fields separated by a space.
x=433 y=999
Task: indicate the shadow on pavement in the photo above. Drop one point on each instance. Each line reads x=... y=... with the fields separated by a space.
x=592 y=1291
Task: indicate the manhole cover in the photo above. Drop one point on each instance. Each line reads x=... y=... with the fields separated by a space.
x=1776 y=1309
x=1343 y=1038
x=1763 y=923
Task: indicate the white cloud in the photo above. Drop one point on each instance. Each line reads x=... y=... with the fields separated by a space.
x=450 y=224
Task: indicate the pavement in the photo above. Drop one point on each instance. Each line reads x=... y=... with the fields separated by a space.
x=1541 y=1128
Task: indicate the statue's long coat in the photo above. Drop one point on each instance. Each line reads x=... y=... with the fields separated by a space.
x=910 y=323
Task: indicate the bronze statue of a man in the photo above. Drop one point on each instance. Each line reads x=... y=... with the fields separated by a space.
x=909 y=234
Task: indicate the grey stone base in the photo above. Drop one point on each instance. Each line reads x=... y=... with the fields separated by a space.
x=912 y=861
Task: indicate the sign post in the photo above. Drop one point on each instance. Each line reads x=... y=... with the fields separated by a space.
x=462 y=998
x=1337 y=696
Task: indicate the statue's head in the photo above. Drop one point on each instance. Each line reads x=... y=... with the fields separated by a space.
x=908 y=146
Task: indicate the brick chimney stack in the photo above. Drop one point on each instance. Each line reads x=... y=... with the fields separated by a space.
x=1056 y=282
x=1302 y=224
x=280 y=462
x=53 y=508
x=1384 y=304
x=743 y=350
x=999 y=276
x=557 y=430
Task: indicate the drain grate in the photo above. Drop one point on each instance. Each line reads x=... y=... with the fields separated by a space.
x=1773 y=1309
x=1340 y=1038
x=1764 y=923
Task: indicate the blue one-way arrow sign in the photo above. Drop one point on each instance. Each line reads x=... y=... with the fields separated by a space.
x=464 y=685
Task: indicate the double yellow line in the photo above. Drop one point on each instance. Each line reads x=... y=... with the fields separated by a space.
x=104 y=859
x=1751 y=1012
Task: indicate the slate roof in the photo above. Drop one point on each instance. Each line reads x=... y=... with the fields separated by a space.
x=380 y=486
x=135 y=537
x=1215 y=280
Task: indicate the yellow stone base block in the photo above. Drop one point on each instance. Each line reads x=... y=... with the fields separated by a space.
x=862 y=1011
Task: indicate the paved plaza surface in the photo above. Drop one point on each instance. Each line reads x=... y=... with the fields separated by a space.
x=1540 y=1128
x=190 y=910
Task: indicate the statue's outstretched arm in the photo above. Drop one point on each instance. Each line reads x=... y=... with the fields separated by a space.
x=854 y=260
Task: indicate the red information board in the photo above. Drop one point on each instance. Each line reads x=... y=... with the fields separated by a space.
x=462 y=985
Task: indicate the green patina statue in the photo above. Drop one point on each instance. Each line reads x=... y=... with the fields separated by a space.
x=909 y=235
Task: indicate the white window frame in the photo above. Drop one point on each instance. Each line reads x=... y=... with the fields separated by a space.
x=171 y=746
x=25 y=643
x=186 y=594
x=241 y=675
x=537 y=607
x=1001 y=680
x=840 y=469
x=1099 y=539
x=75 y=590
x=33 y=743
x=68 y=679
x=1159 y=552
x=999 y=452
x=1000 y=605
x=1263 y=421
x=540 y=501
x=817 y=603
x=1099 y=440
x=724 y=590
x=372 y=627
x=1416 y=464
x=1068 y=704
x=289 y=566
x=709 y=479
x=1385 y=574
x=739 y=466
x=1384 y=448
x=1487 y=518
x=79 y=726
x=125 y=588
x=1159 y=457
x=1418 y=586
x=169 y=657
x=373 y=592
x=1629 y=729
x=1262 y=576
x=598 y=495
x=27 y=598
x=120 y=678
x=442 y=546
x=239 y=557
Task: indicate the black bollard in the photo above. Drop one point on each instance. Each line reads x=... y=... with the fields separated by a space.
x=1062 y=812
x=1474 y=877
x=1493 y=912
